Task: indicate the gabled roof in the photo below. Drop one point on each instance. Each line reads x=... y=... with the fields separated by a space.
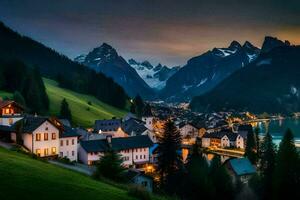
x=117 y=144
x=108 y=125
x=242 y=166
x=217 y=135
x=68 y=132
x=135 y=126
x=31 y=123
x=7 y=102
x=6 y=128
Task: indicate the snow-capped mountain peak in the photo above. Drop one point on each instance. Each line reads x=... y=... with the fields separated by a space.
x=155 y=77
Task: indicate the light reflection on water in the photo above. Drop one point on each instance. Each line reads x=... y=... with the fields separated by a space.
x=277 y=128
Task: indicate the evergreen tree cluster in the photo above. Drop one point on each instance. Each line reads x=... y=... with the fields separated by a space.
x=139 y=107
x=195 y=179
x=26 y=84
x=65 y=112
x=279 y=171
x=110 y=166
x=69 y=74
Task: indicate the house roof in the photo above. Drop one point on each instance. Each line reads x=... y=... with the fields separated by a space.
x=68 y=132
x=132 y=173
x=135 y=126
x=31 y=123
x=7 y=102
x=231 y=136
x=218 y=135
x=118 y=144
x=108 y=125
x=242 y=166
x=6 y=128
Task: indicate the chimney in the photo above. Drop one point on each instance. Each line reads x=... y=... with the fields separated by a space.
x=108 y=140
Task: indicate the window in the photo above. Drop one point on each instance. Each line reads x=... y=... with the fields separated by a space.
x=46 y=152
x=144 y=156
x=61 y=154
x=61 y=143
x=45 y=136
x=67 y=141
x=137 y=157
x=73 y=141
x=136 y=150
x=141 y=150
x=53 y=136
x=53 y=150
x=141 y=157
x=38 y=152
x=73 y=153
x=38 y=137
x=46 y=128
x=10 y=121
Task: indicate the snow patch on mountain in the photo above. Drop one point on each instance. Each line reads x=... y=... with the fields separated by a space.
x=156 y=77
x=202 y=82
x=186 y=87
x=264 y=62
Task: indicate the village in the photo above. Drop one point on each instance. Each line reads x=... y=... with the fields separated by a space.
x=136 y=140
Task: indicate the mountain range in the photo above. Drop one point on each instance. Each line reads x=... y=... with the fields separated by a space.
x=154 y=76
x=204 y=72
x=106 y=60
x=268 y=84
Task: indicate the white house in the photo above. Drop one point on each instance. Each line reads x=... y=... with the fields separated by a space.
x=68 y=142
x=188 y=132
x=225 y=142
x=134 y=150
x=240 y=142
x=47 y=137
x=40 y=136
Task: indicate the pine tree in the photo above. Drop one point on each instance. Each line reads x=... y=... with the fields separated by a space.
x=41 y=87
x=139 y=106
x=19 y=98
x=65 y=112
x=197 y=180
x=267 y=165
x=222 y=181
x=110 y=166
x=169 y=160
x=250 y=151
x=19 y=131
x=256 y=131
x=2 y=79
x=287 y=172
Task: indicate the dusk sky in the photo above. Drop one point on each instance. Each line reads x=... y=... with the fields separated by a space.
x=165 y=31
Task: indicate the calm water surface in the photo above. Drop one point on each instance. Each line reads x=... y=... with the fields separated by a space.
x=277 y=128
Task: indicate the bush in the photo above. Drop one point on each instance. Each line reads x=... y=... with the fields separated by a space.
x=65 y=160
x=89 y=102
x=139 y=192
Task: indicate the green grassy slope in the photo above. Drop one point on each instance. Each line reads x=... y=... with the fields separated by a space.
x=83 y=114
x=22 y=177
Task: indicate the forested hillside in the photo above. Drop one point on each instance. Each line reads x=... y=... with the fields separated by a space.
x=53 y=65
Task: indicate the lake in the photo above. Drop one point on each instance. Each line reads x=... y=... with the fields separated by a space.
x=277 y=128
